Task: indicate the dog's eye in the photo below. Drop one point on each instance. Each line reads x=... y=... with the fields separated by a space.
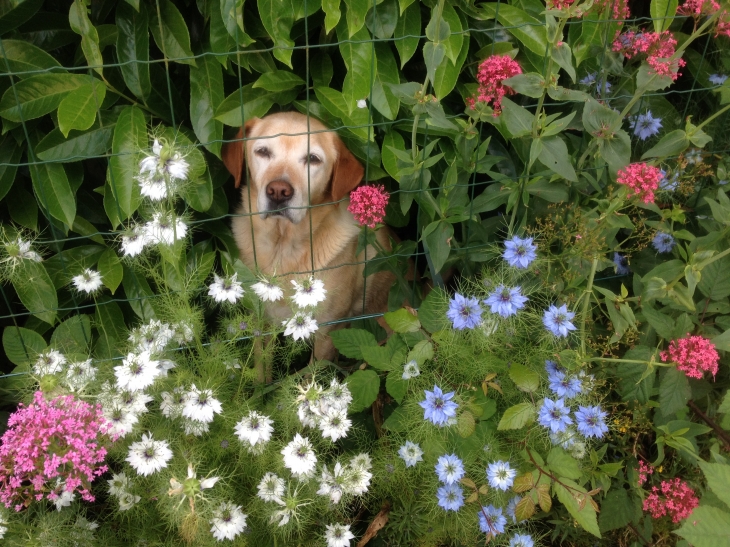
x=263 y=152
x=314 y=159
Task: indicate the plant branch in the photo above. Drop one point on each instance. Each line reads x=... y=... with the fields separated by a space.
x=721 y=433
x=586 y=304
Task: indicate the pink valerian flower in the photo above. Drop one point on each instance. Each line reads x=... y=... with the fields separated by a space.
x=367 y=204
x=644 y=471
x=698 y=8
x=642 y=180
x=658 y=48
x=694 y=356
x=559 y=4
x=619 y=8
x=677 y=500
x=47 y=442
x=492 y=71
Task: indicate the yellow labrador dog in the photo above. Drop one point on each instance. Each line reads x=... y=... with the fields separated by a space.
x=294 y=224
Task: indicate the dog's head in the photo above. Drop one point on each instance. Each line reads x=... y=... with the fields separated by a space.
x=291 y=164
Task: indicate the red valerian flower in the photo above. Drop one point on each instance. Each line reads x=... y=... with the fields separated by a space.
x=678 y=500
x=367 y=205
x=658 y=48
x=492 y=71
x=642 y=180
x=694 y=356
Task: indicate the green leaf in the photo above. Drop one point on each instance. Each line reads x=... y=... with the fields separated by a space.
x=724 y=407
x=402 y=321
x=382 y=19
x=133 y=48
x=407 y=32
x=206 y=95
x=10 y=154
x=651 y=81
x=232 y=16
x=663 y=324
x=662 y=13
x=139 y=294
x=421 y=352
x=585 y=515
x=718 y=479
x=531 y=84
x=673 y=143
x=23 y=59
x=331 y=8
x=396 y=386
x=525 y=28
x=517 y=417
x=616 y=151
x=79 y=145
x=722 y=341
x=554 y=192
x=391 y=140
x=437 y=237
x=517 y=120
x=36 y=291
x=707 y=527
x=110 y=268
x=22 y=346
x=382 y=96
x=432 y=313
x=130 y=136
x=53 y=191
x=378 y=357
x=78 y=109
x=38 y=95
x=563 y=464
x=563 y=56
x=617 y=510
x=674 y=392
x=171 y=33
x=278 y=80
x=80 y=23
x=15 y=13
x=73 y=335
x=356 y=12
x=433 y=56
x=244 y=102
x=554 y=155
x=364 y=386
x=357 y=53
x=397 y=421
x=350 y=341
x=200 y=196
x=277 y=17
x=524 y=378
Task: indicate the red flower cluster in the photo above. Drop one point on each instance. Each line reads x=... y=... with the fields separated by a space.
x=642 y=179
x=619 y=8
x=644 y=471
x=51 y=441
x=658 y=48
x=694 y=356
x=492 y=71
x=559 y=4
x=678 y=500
x=367 y=205
x=698 y=8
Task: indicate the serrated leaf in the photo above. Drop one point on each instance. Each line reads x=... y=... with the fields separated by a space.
x=465 y=424
x=523 y=483
x=364 y=386
x=581 y=511
x=466 y=481
x=563 y=464
x=524 y=509
x=473 y=497
x=718 y=479
x=378 y=357
x=543 y=497
x=524 y=378
x=73 y=335
x=706 y=527
x=350 y=341
x=396 y=386
x=402 y=321
x=517 y=416
x=674 y=391
x=421 y=352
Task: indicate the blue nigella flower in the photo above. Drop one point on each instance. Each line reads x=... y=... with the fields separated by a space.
x=554 y=415
x=557 y=320
x=646 y=125
x=621 y=263
x=669 y=183
x=464 y=312
x=491 y=520
x=506 y=301
x=450 y=496
x=589 y=79
x=552 y=367
x=519 y=252
x=603 y=88
x=663 y=242
x=521 y=540
x=564 y=385
x=450 y=469
x=717 y=79
x=438 y=406
x=511 y=507
x=591 y=421
x=500 y=475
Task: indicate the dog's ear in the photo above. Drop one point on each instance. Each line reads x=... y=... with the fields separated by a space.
x=232 y=153
x=346 y=173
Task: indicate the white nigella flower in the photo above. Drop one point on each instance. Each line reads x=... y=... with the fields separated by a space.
x=118 y=484
x=359 y=474
x=127 y=500
x=152 y=337
x=135 y=401
x=254 y=429
x=200 y=405
x=225 y=289
x=290 y=504
x=337 y=396
x=301 y=326
x=411 y=370
x=173 y=402
x=84 y=524
x=49 y=362
x=3 y=528
x=334 y=484
x=299 y=456
x=197 y=429
x=137 y=372
x=165 y=228
x=228 y=521
x=79 y=374
x=191 y=486
x=309 y=292
x=501 y=475
x=271 y=487
x=148 y=455
x=334 y=424
x=267 y=291
x=164 y=161
x=121 y=418
x=307 y=416
x=154 y=186
x=164 y=366
x=338 y=535
x=64 y=499
x=362 y=461
x=88 y=281
x=18 y=250
x=134 y=241
x=183 y=332
x=411 y=453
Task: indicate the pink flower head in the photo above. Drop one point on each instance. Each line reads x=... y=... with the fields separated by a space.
x=47 y=442
x=619 y=8
x=678 y=500
x=658 y=48
x=694 y=356
x=491 y=72
x=367 y=205
x=642 y=180
x=698 y=8
x=559 y=4
x=644 y=471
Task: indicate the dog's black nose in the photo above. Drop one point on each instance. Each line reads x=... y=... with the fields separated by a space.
x=279 y=191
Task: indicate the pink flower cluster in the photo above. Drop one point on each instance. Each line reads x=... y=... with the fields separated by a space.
x=51 y=441
x=644 y=471
x=367 y=205
x=678 y=500
x=492 y=71
x=619 y=8
x=694 y=356
x=560 y=4
x=658 y=48
x=642 y=179
x=698 y=8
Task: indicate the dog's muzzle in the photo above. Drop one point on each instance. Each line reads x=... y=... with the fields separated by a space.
x=278 y=195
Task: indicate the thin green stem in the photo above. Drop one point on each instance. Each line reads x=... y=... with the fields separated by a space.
x=586 y=304
x=715 y=115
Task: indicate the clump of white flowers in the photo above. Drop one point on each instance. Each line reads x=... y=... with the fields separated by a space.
x=325 y=409
x=119 y=487
x=225 y=289
x=255 y=429
x=161 y=172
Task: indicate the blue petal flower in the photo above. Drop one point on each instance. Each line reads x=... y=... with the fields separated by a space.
x=554 y=415
x=717 y=79
x=591 y=421
x=564 y=385
x=622 y=264
x=500 y=475
x=519 y=252
x=506 y=301
x=663 y=242
x=450 y=469
x=451 y=497
x=491 y=520
x=522 y=540
x=438 y=406
x=557 y=320
x=646 y=125
x=464 y=312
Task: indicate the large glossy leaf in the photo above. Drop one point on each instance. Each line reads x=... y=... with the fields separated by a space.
x=244 y=104
x=277 y=17
x=22 y=345
x=456 y=36
x=382 y=18
x=232 y=17
x=171 y=33
x=206 y=95
x=448 y=72
x=220 y=40
x=554 y=155
x=662 y=13
x=528 y=30
x=53 y=191
x=408 y=32
x=382 y=97
x=278 y=80
x=356 y=12
x=583 y=513
x=79 y=145
x=358 y=57
x=81 y=24
x=10 y=154
x=130 y=136
x=36 y=291
x=78 y=109
x=38 y=95
x=433 y=56
x=13 y=14
x=332 y=12
x=133 y=48
x=24 y=59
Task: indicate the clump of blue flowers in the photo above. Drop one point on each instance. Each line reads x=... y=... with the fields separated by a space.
x=438 y=408
x=621 y=263
x=554 y=415
x=519 y=253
